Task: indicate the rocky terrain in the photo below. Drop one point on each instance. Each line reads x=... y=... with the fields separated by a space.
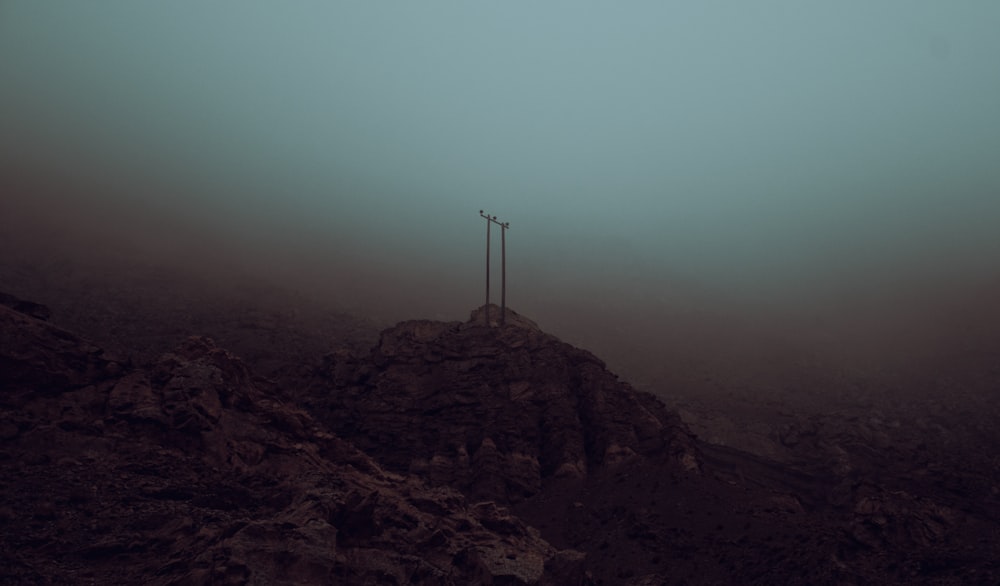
x=193 y=471
x=516 y=416
x=449 y=453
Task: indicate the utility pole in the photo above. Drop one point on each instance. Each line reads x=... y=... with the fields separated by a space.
x=503 y=274
x=503 y=266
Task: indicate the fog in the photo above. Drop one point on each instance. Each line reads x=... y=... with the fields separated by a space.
x=683 y=181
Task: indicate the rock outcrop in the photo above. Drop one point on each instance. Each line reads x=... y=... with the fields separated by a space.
x=494 y=411
x=195 y=472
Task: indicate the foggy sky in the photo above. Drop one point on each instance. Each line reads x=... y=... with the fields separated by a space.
x=651 y=157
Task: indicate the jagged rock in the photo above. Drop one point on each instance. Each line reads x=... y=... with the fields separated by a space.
x=195 y=472
x=494 y=411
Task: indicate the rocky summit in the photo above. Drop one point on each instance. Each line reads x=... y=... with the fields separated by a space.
x=493 y=411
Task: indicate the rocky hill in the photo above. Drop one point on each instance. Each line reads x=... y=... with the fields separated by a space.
x=514 y=415
x=493 y=411
x=453 y=453
x=193 y=471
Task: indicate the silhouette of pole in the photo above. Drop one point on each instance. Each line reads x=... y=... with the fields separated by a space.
x=503 y=274
x=488 y=223
x=503 y=267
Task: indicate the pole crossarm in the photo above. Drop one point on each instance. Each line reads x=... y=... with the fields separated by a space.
x=490 y=220
x=494 y=219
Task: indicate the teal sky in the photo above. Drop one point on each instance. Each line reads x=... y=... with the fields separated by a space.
x=754 y=151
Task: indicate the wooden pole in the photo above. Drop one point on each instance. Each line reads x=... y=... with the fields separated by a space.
x=503 y=274
x=488 y=222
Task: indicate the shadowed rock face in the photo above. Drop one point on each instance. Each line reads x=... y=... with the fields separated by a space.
x=494 y=411
x=194 y=472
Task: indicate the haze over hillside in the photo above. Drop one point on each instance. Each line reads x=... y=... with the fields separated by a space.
x=710 y=186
